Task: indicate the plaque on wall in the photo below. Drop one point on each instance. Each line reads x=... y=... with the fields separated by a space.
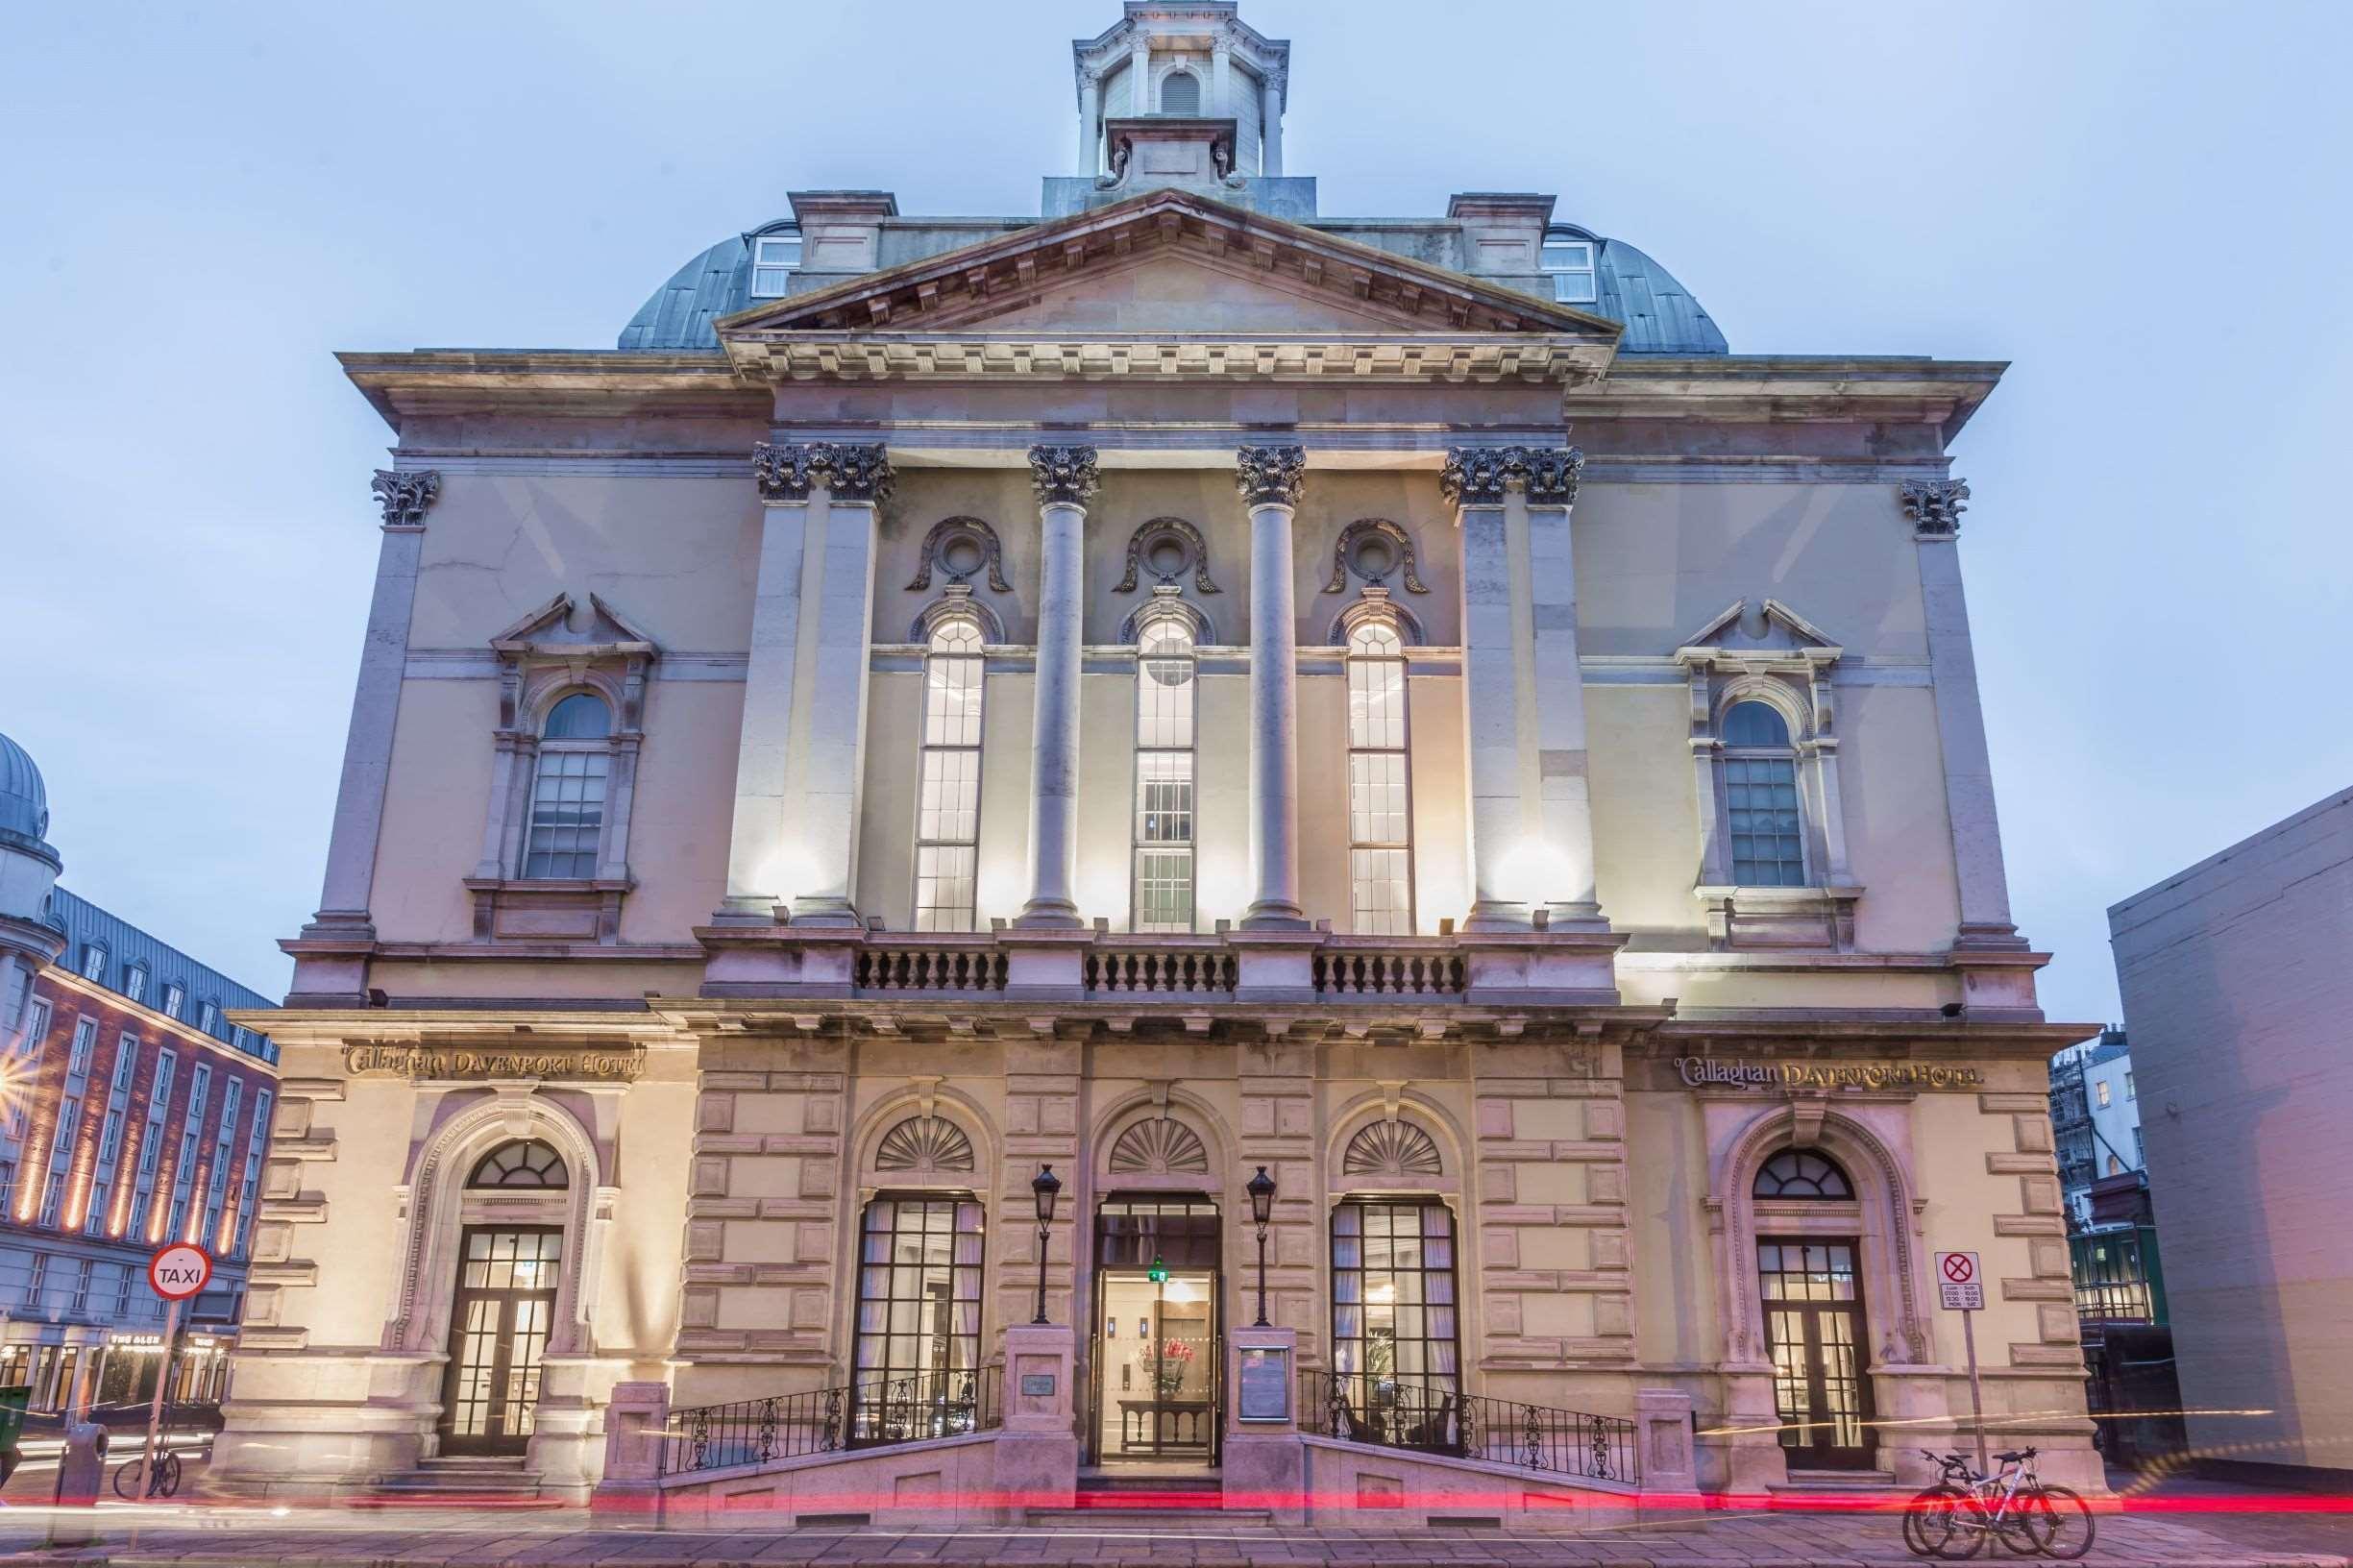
x=1037 y=1385
x=1265 y=1384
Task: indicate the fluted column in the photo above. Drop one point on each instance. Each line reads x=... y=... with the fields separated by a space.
x=404 y=497
x=1564 y=799
x=1066 y=480
x=1271 y=479
x=1496 y=735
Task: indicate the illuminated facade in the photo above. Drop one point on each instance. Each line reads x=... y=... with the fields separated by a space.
x=134 y=1111
x=1151 y=689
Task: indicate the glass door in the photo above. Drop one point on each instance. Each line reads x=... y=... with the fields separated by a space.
x=499 y=1326
x=1814 y=1324
x=1157 y=1349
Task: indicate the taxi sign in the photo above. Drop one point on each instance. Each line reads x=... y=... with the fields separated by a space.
x=1959 y=1288
x=180 y=1270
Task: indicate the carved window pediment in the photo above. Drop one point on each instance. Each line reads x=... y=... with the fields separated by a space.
x=1160 y=1145
x=925 y=1143
x=1393 y=1149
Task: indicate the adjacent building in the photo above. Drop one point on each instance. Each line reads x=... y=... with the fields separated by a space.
x=2237 y=994
x=1147 y=688
x=133 y=1110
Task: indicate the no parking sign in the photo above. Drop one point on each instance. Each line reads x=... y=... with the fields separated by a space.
x=180 y=1270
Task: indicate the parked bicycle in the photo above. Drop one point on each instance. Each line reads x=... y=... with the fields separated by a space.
x=1955 y=1517
x=133 y=1480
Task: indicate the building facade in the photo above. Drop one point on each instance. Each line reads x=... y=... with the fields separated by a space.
x=2236 y=995
x=1149 y=688
x=2095 y=1118
x=135 y=1112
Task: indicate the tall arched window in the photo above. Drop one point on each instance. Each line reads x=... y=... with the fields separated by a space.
x=947 y=824
x=567 y=824
x=1180 y=93
x=1760 y=799
x=1165 y=688
x=1380 y=798
x=916 y=1351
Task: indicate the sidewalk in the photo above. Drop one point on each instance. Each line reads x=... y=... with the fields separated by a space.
x=222 y=1535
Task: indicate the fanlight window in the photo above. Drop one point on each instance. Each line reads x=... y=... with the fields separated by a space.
x=1390 y=1148
x=925 y=1143
x=1804 y=1173
x=567 y=824
x=525 y=1164
x=1760 y=799
x=1161 y=1144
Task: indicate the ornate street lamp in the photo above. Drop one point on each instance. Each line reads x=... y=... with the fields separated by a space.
x=1262 y=1191
x=1046 y=1189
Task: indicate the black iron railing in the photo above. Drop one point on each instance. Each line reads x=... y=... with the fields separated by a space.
x=868 y=1414
x=1431 y=1415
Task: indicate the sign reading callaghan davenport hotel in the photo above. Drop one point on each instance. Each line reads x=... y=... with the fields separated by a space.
x=622 y=1064
x=1703 y=1071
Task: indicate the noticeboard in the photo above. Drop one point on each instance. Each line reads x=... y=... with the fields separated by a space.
x=1265 y=1381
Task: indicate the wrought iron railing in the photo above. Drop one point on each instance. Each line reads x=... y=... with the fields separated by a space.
x=1430 y=1415
x=868 y=1414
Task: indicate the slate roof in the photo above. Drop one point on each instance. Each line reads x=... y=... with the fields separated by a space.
x=1659 y=314
x=127 y=947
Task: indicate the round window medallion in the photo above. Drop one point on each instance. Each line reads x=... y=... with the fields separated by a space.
x=962 y=556
x=1167 y=557
x=1375 y=558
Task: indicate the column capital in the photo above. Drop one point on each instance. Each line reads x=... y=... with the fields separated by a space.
x=1064 y=475
x=1934 y=506
x=1480 y=475
x=849 y=471
x=405 y=495
x=1271 y=476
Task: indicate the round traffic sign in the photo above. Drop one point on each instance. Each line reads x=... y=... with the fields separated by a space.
x=180 y=1270
x=1960 y=1267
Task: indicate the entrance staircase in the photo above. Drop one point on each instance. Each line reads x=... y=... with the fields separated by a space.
x=486 y=1481
x=1190 y=1499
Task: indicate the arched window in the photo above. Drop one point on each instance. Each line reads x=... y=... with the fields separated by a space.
x=916 y=1352
x=1804 y=1173
x=524 y=1163
x=1180 y=93
x=947 y=823
x=1165 y=688
x=1760 y=799
x=1380 y=798
x=567 y=825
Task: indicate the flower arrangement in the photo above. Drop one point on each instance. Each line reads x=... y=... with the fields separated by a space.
x=1165 y=1364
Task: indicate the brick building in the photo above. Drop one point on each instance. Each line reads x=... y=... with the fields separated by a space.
x=134 y=1111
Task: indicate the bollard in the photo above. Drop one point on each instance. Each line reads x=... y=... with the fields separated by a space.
x=82 y=1472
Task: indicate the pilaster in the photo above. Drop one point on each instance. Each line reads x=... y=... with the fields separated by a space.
x=1564 y=800
x=1495 y=733
x=1271 y=479
x=758 y=841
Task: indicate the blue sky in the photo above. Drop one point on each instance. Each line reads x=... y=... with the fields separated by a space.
x=2143 y=206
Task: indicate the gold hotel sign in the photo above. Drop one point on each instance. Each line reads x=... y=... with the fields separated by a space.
x=612 y=1063
x=1708 y=1071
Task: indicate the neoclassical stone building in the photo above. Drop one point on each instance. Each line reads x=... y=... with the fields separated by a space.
x=1152 y=690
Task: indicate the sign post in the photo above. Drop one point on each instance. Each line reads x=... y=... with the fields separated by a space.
x=1960 y=1287
x=176 y=1272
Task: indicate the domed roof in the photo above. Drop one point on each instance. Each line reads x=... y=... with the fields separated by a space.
x=1659 y=314
x=24 y=800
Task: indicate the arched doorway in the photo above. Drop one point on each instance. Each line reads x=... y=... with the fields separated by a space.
x=503 y=1310
x=1810 y=1289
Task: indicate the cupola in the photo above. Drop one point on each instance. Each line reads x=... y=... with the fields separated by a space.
x=1195 y=63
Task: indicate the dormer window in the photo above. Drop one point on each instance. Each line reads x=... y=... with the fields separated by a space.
x=174 y=999
x=773 y=257
x=135 y=985
x=1180 y=93
x=1569 y=262
x=94 y=962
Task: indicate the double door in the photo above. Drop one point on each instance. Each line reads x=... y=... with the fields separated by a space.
x=498 y=1324
x=1814 y=1326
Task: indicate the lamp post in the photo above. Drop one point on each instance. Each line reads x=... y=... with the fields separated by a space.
x=1045 y=1187
x=1262 y=1191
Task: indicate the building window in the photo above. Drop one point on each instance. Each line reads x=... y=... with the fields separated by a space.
x=918 y=1316
x=1569 y=262
x=1804 y=1173
x=1393 y=1329
x=134 y=984
x=126 y=1058
x=53 y=1194
x=948 y=818
x=2130 y=1092
x=175 y=998
x=2100 y=1090
x=94 y=962
x=1380 y=798
x=1180 y=93
x=1760 y=799
x=568 y=790
x=85 y=1041
x=526 y=1164
x=773 y=257
x=208 y=1016
x=81 y=1285
x=1164 y=689
x=36 y=1026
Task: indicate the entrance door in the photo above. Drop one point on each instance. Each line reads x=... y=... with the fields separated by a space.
x=1158 y=1351
x=499 y=1325
x=1815 y=1326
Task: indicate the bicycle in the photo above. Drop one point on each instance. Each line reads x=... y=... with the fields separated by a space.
x=164 y=1483
x=1954 y=1517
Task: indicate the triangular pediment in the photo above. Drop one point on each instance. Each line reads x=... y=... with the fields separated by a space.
x=1767 y=633
x=561 y=629
x=1176 y=268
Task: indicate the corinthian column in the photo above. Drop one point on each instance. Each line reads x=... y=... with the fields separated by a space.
x=1066 y=480
x=1271 y=479
x=1564 y=798
x=1496 y=735
x=757 y=846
